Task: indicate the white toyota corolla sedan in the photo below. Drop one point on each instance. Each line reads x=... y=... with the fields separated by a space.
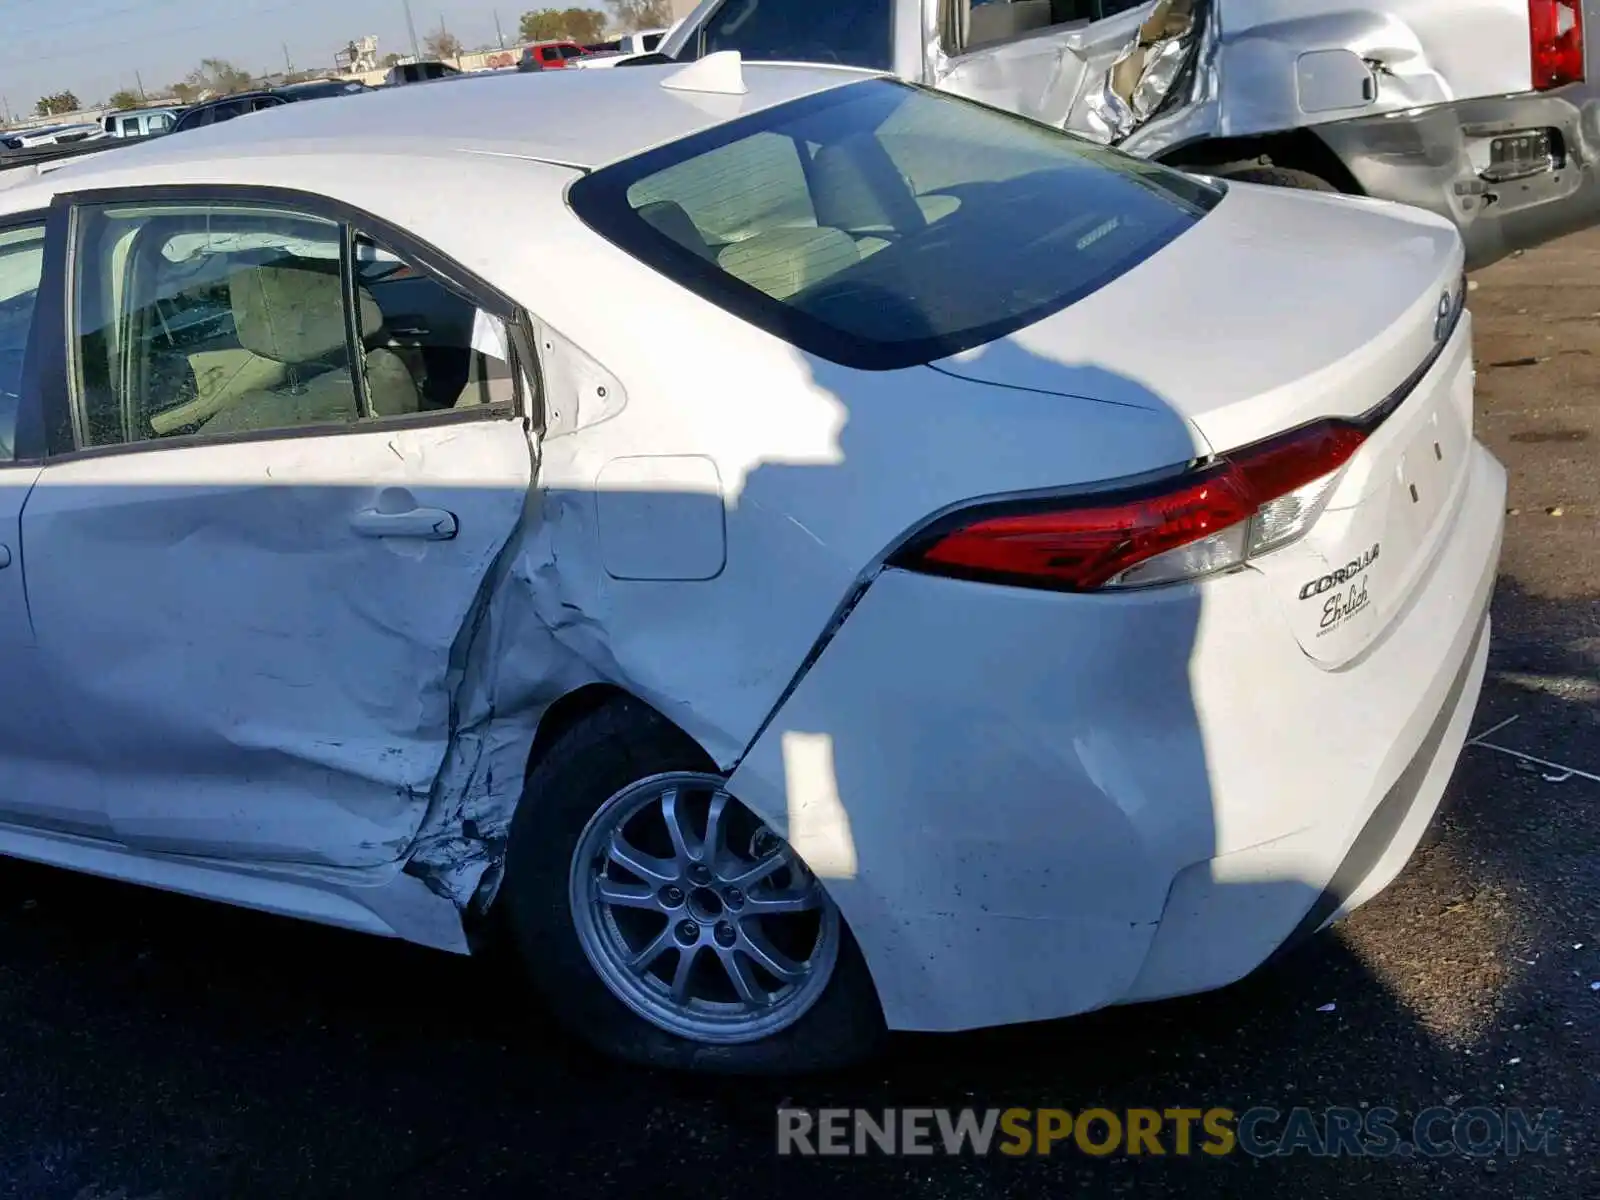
x=814 y=555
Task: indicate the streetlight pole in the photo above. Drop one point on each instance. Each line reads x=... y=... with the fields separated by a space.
x=411 y=28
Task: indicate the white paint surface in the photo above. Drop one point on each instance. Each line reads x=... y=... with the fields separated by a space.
x=1000 y=786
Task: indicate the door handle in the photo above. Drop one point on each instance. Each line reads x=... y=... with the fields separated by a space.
x=423 y=524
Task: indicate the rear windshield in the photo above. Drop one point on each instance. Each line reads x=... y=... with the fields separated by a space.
x=882 y=225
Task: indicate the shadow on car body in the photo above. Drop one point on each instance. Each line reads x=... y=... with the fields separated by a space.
x=164 y=1045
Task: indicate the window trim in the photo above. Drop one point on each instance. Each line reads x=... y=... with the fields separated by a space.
x=59 y=416
x=28 y=437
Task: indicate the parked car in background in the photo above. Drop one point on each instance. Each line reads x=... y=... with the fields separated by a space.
x=226 y=108
x=1483 y=111
x=642 y=42
x=419 y=72
x=1095 y=603
x=629 y=47
x=51 y=135
x=549 y=56
x=140 y=122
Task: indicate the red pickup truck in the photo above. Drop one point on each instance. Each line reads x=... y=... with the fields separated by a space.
x=549 y=56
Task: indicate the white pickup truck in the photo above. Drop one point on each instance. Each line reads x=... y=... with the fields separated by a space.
x=1484 y=111
x=626 y=48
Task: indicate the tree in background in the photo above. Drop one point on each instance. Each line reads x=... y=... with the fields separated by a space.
x=213 y=77
x=61 y=102
x=126 y=98
x=634 y=15
x=550 y=24
x=441 y=44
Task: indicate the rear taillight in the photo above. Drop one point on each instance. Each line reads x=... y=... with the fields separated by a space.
x=1557 y=28
x=1252 y=501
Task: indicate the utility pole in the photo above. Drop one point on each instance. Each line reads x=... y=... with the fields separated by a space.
x=411 y=28
x=139 y=79
x=288 y=66
x=499 y=36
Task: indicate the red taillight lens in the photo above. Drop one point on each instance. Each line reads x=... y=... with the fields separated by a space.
x=1256 y=499
x=1557 y=28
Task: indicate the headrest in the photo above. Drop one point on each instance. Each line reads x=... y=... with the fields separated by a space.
x=293 y=311
x=670 y=218
x=856 y=185
x=781 y=262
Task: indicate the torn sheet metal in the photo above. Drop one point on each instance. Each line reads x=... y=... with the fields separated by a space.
x=1177 y=71
x=1139 y=82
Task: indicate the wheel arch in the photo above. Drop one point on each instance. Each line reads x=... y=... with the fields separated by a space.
x=583 y=702
x=1300 y=149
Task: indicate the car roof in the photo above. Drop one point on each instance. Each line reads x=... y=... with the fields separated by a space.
x=585 y=119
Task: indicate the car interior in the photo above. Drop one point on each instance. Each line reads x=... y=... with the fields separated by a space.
x=858 y=214
x=994 y=21
x=232 y=331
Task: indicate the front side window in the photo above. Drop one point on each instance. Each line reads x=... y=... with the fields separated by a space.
x=882 y=225
x=216 y=321
x=858 y=34
x=21 y=267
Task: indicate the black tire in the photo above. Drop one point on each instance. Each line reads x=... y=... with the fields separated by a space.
x=618 y=745
x=1284 y=177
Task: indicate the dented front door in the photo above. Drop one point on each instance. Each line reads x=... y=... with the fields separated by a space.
x=253 y=569
x=257 y=638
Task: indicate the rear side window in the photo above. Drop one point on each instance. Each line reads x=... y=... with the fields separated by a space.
x=855 y=34
x=882 y=225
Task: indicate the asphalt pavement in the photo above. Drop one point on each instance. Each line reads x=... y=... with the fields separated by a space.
x=156 y=1047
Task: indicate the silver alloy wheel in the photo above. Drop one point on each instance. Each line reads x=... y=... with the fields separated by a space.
x=697 y=916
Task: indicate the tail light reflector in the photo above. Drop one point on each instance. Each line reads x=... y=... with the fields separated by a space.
x=1557 y=31
x=1248 y=503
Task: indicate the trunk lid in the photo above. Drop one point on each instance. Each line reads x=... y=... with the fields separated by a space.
x=1275 y=310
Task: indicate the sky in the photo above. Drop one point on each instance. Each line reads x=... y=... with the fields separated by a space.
x=94 y=47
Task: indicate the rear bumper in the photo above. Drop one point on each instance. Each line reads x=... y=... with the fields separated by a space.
x=1431 y=160
x=1030 y=805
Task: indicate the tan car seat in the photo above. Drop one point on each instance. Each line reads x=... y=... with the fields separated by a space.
x=782 y=262
x=293 y=313
x=998 y=22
